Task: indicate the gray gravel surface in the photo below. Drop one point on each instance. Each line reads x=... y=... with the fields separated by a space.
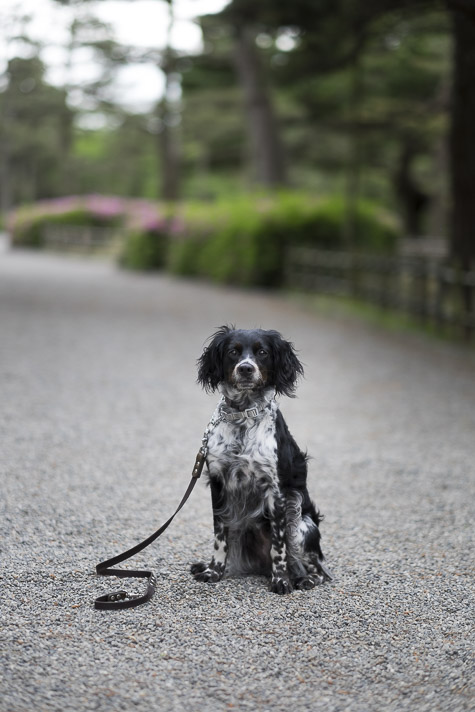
x=101 y=418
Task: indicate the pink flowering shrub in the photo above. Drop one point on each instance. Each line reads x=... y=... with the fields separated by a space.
x=27 y=223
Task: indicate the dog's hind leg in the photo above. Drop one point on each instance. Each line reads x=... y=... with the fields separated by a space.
x=214 y=571
x=311 y=544
x=295 y=529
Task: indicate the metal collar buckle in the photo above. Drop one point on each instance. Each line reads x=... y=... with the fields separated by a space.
x=247 y=413
x=251 y=412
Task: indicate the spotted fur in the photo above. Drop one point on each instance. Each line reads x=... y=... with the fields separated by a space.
x=264 y=520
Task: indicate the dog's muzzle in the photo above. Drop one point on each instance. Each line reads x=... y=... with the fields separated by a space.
x=246 y=375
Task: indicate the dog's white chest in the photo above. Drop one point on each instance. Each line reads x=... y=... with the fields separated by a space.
x=242 y=452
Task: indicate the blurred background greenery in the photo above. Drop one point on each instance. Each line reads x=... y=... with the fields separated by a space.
x=332 y=123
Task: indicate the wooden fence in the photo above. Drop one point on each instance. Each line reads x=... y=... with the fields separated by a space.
x=428 y=289
x=83 y=237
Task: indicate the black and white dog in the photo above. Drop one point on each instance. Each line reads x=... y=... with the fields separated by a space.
x=264 y=520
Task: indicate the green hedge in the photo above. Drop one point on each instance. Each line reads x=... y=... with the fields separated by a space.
x=144 y=250
x=244 y=241
x=240 y=241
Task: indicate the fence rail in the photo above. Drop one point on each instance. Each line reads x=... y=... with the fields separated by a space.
x=77 y=236
x=426 y=288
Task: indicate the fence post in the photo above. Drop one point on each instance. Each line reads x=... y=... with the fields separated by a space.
x=467 y=285
x=423 y=291
x=439 y=299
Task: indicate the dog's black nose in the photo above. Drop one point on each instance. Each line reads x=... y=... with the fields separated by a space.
x=246 y=369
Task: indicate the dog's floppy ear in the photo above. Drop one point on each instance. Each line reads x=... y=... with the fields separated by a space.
x=286 y=366
x=210 y=363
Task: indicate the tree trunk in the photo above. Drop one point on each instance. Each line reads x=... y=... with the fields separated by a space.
x=353 y=169
x=462 y=142
x=169 y=153
x=413 y=200
x=267 y=153
x=5 y=160
x=462 y=139
x=168 y=144
x=5 y=192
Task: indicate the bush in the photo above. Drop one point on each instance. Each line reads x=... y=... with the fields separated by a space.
x=143 y=224
x=373 y=230
x=144 y=250
x=244 y=241
x=148 y=230
x=198 y=223
x=222 y=242
x=240 y=241
x=27 y=224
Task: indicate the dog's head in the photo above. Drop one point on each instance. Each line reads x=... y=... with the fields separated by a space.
x=249 y=361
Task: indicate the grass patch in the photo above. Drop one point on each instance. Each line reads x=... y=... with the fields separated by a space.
x=350 y=309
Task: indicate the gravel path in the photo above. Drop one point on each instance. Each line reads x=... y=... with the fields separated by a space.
x=101 y=418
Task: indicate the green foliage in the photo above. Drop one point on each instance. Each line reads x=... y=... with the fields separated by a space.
x=27 y=224
x=98 y=158
x=144 y=250
x=243 y=241
x=360 y=84
x=89 y=145
x=326 y=227
x=231 y=253
x=35 y=129
x=402 y=61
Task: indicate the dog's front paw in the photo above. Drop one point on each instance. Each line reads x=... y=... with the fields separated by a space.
x=209 y=573
x=280 y=585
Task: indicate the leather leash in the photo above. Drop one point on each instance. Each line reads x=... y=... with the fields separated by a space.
x=120 y=599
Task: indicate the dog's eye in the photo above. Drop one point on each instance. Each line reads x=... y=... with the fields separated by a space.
x=233 y=352
x=262 y=352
